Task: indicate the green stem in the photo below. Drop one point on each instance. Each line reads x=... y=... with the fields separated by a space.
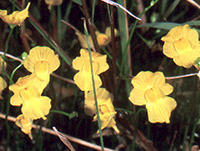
x=6 y=47
x=12 y=75
x=193 y=133
x=94 y=91
x=70 y=115
x=93 y=11
x=185 y=135
x=8 y=102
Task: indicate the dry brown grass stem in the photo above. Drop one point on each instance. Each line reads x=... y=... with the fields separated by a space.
x=193 y=3
x=50 y=131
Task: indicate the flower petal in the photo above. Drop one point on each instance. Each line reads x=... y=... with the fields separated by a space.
x=41 y=54
x=36 y=108
x=161 y=110
x=16 y=17
x=182 y=44
x=25 y=124
x=84 y=81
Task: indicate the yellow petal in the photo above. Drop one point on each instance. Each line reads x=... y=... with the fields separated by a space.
x=112 y=124
x=78 y=63
x=82 y=63
x=29 y=93
x=25 y=124
x=182 y=44
x=102 y=64
x=1 y=65
x=169 y=50
x=84 y=81
x=3 y=85
x=30 y=103
x=181 y=31
x=3 y=13
x=107 y=120
x=146 y=81
x=142 y=80
x=137 y=97
x=83 y=41
x=42 y=70
x=108 y=31
x=41 y=54
x=23 y=84
x=101 y=93
x=103 y=39
x=102 y=96
x=167 y=88
x=16 y=17
x=36 y=108
x=161 y=110
x=153 y=94
x=16 y=100
x=187 y=59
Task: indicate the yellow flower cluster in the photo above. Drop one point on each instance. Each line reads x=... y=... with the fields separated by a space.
x=105 y=106
x=83 y=79
x=182 y=44
x=102 y=38
x=41 y=62
x=3 y=83
x=16 y=18
x=151 y=90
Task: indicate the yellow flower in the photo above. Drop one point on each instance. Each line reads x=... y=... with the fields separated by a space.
x=25 y=124
x=150 y=90
x=105 y=106
x=27 y=92
x=22 y=84
x=82 y=63
x=42 y=61
x=182 y=44
x=83 y=78
x=16 y=18
x=34 y=106
x=53 y=3
x=102 y=94
x=102 y=39
x=107 y=120
x=107 y=114
x=3 y=85
x=1 y=65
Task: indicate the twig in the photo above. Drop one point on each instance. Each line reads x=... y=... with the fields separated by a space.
x=64 y=139
x=193 y=3
x=175 y=77
x=62 y=78
x=181 y=76
x=10 y=56
x=50 y=131
x=120 y=6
